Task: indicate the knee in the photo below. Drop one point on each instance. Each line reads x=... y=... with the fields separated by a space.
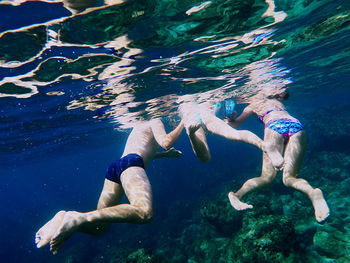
x=145 y=216
x=287 y=181
x=267 y=181
x=205 y=158
x=102 y=229
x=257 y=182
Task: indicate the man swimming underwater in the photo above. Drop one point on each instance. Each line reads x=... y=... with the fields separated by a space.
x=126 y=175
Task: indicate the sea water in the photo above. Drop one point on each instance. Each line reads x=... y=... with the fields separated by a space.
x=75 y=76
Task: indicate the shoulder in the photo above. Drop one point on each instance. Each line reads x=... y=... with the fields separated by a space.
x=154 y=123
x=142 y=127
x=249 y=109
x=261 y=107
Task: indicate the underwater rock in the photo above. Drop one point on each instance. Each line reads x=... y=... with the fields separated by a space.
x=324 y=169
x=267 y=238
x=194 y=239
x=329 y=170
x=191 y=234
x=306 y=234
x=143 y=256
x=332 y=239
x=222 y=216
x=331 y=243
x=298 y=208
x=268 y=202
x=213 y=250
x=178 y=257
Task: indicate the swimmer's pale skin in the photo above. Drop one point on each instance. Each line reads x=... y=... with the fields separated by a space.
x=144 y=140
x=293 y=156
x=214 y=125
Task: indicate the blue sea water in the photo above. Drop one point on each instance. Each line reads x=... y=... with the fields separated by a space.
x=74 y=76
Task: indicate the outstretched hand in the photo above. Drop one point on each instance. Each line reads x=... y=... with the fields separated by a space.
x=192 y=126
x=192 y=123
x=173 y=153
x=232 y=117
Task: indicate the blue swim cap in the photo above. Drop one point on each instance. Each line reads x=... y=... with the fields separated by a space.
x=217 y=108
x=229 y=108
x=224 y=109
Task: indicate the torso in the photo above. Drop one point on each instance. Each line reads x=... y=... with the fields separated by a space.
x=142 y=142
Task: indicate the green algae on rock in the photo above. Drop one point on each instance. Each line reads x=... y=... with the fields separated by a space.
x=142 y=256
x=220 y=214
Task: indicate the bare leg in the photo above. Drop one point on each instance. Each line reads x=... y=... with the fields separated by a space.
x=221 y=128
x=268 y=174
x=138 y=190
x=294 y=155
x=110 y=196
x=199 y=144
x=196 y=134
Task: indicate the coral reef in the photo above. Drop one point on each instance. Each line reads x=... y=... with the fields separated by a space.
x=142 y=256
x=267 y=238
x=220 y=214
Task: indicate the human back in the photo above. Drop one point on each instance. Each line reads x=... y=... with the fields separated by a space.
x=268 y=109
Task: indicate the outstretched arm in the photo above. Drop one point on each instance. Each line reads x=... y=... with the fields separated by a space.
x=171 y=153
x=247 y=112
x=166 y=141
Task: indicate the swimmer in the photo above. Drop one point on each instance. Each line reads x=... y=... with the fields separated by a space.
x=288 y=135
x=126 y=175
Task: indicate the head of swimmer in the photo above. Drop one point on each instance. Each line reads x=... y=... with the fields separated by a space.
x=283 y=95
x=225 y=109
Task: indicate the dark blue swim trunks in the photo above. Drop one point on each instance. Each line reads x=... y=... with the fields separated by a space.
x=117 y=167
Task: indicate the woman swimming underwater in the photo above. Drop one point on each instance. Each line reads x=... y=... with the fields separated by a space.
x=288 y=135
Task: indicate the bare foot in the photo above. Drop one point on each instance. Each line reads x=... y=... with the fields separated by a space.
x=174 y=153
x=274 y=155
x=45 y=233
x=320 y=205
x=68 y=226
x=236 y=203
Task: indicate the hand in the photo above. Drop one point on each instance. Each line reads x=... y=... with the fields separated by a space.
x=173 y=153
x=232 y=117
x=192 y=123
x=192 y=126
